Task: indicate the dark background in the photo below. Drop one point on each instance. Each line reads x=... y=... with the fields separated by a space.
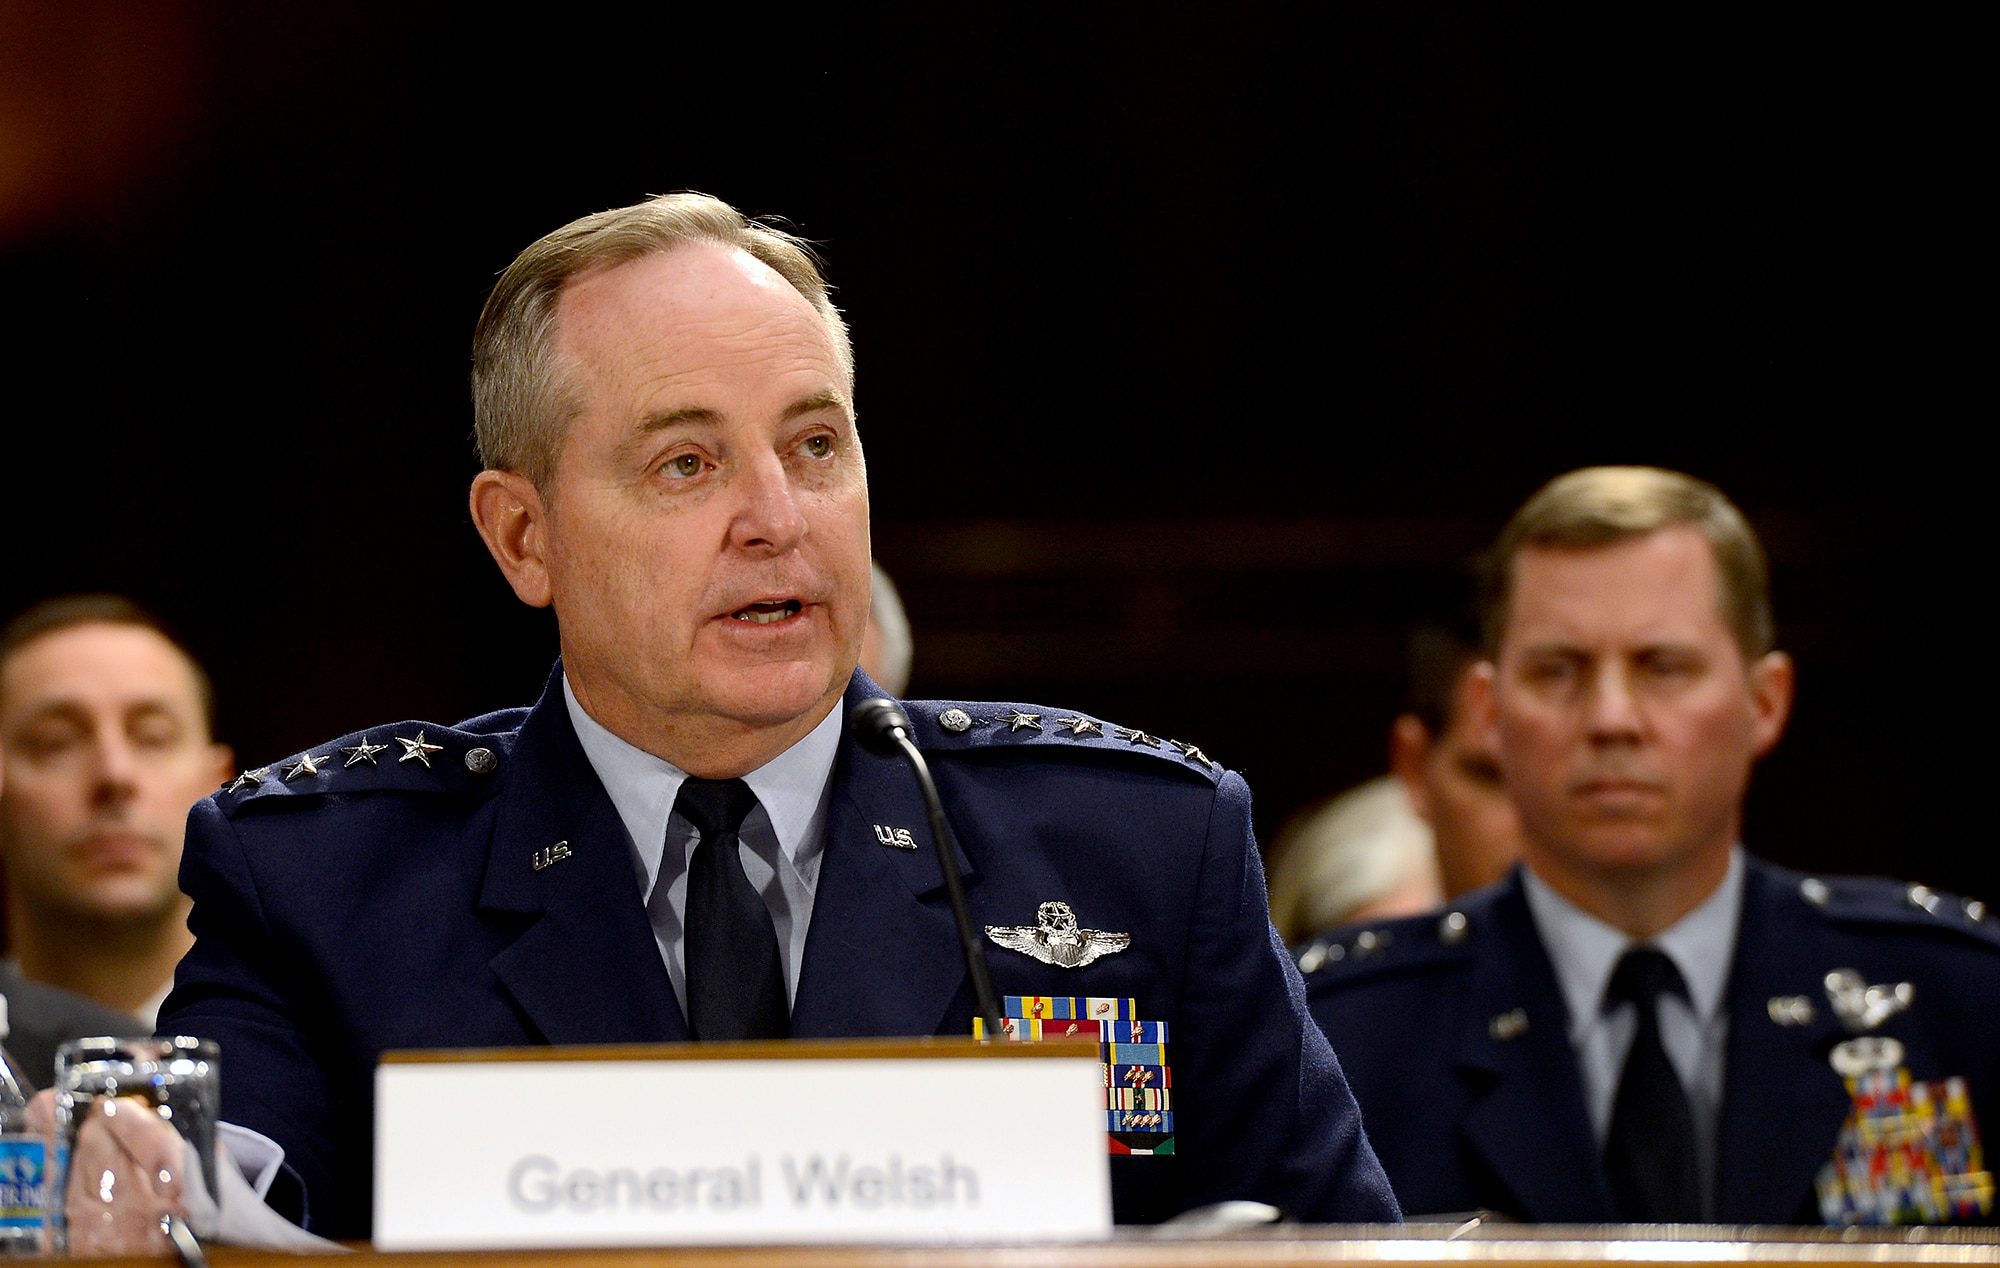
x=1197 y=352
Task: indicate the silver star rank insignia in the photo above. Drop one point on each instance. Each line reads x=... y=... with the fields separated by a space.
x=248 y=779
x=308 y=764
x=1014 y=720
x=1192 y=753
x=1136 y=737
x=1080 y=726
x=418 y=751
x=1055 y=939
x=363 y=752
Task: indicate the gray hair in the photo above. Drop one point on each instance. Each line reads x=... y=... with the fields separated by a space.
x=523 y=397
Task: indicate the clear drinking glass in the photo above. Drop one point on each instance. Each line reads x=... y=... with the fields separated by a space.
x=177 y=1077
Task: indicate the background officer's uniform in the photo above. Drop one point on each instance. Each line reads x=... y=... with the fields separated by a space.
x=1454 y=1035
x=398 y=904
x=40 y=1017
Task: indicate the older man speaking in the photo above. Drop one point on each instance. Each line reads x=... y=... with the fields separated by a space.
x=683 y=839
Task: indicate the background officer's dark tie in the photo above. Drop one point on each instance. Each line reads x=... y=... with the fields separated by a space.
x=735 y=980
x=1650 y=1154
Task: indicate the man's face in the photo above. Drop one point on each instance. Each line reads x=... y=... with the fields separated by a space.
x=706 y=542
x=106 y=748
x=1455 y=784
x=1625 y=719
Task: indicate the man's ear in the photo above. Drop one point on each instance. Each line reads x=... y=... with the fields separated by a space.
x=223 y=758
x=1771 y=680
x=1482 y=710
x=1409 y=747
x=507 y=509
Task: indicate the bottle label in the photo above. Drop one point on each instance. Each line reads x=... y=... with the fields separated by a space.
x=23 y=1182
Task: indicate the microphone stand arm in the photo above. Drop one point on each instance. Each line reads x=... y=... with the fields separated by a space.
x=975 y=958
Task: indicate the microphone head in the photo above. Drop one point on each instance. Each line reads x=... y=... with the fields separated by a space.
x=875 y=724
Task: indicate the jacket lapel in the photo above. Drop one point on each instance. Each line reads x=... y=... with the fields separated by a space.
x=1527 y=1122
x=586 y=969
x=882 y=955
x=1783 y=1104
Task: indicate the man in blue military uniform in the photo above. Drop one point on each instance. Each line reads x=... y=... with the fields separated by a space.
x=682 y=839
x=1644 y=1023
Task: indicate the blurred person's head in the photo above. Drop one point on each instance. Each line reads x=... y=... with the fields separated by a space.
x=1631 y=686
x=105 y=739
x=886 y=647
x=1448 y=769
x=1363 y=855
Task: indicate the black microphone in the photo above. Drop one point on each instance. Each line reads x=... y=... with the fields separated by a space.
x=884 y=730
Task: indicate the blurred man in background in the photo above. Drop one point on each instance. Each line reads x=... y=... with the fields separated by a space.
x=1447 y=767
x=38 y=1018
x=886 y=646
x=1439 y=824
x=1644 y=1023
x=105 y=722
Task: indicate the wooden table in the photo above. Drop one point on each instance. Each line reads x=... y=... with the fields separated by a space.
x=1408 y=1246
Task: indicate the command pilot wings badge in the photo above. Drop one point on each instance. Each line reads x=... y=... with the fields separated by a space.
x=1055 y=939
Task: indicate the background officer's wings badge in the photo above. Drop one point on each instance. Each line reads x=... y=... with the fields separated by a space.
x=1055 y=939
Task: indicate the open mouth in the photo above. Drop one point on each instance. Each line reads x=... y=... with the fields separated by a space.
x=766 y=613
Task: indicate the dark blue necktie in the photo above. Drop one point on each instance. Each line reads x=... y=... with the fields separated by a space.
x=1650 y=1153
x=735 y=980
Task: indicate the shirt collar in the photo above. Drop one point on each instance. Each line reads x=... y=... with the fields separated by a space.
x=642 y=787
x=1584 y=950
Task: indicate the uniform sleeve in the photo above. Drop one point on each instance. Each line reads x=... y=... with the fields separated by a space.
x=236 y=987
x=1263 y=1109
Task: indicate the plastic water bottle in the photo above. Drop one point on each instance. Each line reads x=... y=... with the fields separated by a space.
x=24 y=1160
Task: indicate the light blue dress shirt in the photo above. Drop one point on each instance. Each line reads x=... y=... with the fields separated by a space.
x=1694 y=1031
x=782 y=840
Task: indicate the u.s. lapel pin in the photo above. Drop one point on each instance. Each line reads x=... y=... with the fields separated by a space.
x=551 y=855
x=894 y=838
x=1508 y=1025
x=1790 y=1010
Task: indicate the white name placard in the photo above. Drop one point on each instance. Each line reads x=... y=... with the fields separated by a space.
x=806 y=1141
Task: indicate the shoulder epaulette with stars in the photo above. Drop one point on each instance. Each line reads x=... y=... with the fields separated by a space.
x=1875 y=900
x=948 y=725
x=1371 y=948
x=405 y=757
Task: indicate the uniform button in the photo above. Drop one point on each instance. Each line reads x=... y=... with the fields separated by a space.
x=481 y=761
x=1814 y=891
x=1975 y=911
x=1920 y=896
x=1451 y=929
x=956 y=721
x=1372 y=942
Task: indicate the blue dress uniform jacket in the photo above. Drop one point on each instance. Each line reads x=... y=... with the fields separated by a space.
x=40 y=1017
x=369 y=907
x=1454 y=1036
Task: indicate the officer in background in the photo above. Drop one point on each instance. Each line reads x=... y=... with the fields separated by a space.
x=49 y=1015
x=1437 y=826
x=105 y=730
x=1644 y=1023
x=683 y=839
